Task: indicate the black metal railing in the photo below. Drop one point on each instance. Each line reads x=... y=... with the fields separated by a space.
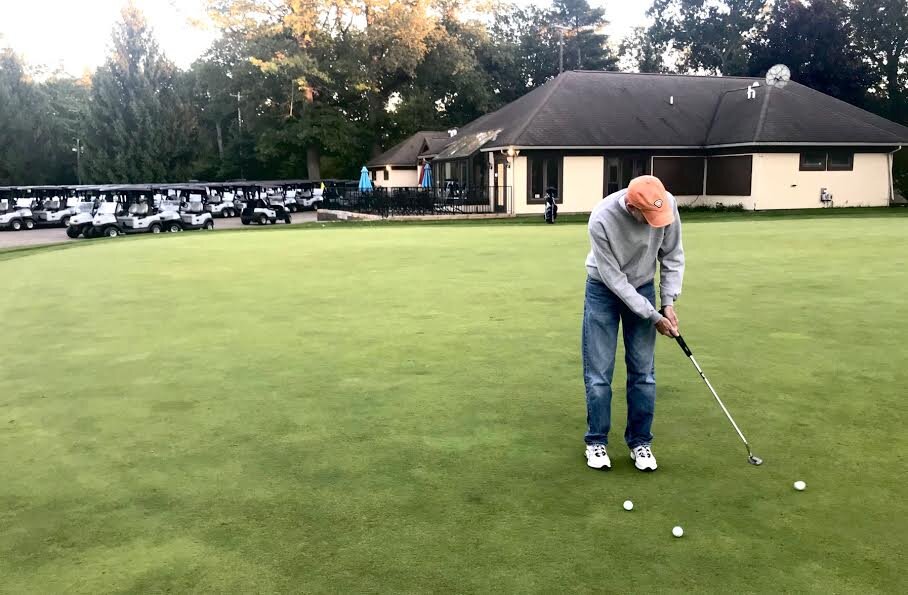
x=396 y=202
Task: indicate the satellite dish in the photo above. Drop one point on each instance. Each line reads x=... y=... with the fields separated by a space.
x=778 y=76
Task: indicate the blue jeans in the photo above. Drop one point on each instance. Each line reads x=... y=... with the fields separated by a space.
x=602 y=310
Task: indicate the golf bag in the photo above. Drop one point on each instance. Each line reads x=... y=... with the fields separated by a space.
x=551 y=208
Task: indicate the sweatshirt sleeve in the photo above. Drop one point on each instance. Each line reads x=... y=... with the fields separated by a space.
x=613 y=278
x=671 y=262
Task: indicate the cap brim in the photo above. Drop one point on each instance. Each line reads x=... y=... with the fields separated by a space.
x=659 y=219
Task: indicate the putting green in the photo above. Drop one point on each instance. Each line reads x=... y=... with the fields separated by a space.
x=401 y=410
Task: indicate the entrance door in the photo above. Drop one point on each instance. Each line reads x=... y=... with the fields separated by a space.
x=500 y=189
x=612 y=175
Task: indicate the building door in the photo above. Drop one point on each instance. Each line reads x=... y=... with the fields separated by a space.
x=500 y=184
x=612 y=175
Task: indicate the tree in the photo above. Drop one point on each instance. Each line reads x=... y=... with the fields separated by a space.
x=39 y=124
x=585 y=47
x=138 y=127
x=881 y=38
x=639 y=51
x=814 y=41
x=710 y=35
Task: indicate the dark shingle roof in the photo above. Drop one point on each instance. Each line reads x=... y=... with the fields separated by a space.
x=408 y=151
x=612 y=109
x=435 y=145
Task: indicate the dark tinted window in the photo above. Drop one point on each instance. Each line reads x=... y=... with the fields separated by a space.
x=813 y=161
x=544 y=172
x=682 y=176
x=729 y=176
x=840 y=161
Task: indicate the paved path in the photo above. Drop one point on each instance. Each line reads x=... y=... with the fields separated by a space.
x=57 y=235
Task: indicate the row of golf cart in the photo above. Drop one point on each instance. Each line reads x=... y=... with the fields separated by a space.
x=112 y=210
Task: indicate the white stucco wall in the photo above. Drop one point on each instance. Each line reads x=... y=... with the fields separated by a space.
x=517 y=180
x=778 y=183
x=397 y=178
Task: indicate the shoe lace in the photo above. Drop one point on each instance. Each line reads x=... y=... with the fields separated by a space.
x=643 y=451
x=599 y=450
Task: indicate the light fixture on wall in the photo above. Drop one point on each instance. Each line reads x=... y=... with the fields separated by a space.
x=510 y=153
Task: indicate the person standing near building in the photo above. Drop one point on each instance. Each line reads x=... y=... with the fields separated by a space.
x=630 y=231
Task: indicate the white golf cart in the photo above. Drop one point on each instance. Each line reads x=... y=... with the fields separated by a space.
x=188 y=201
x=261 y=211
x=309 y=195
x=15 y=212
x=57 y=204
x=89 y=198
x=128 y=209
x=219 y=200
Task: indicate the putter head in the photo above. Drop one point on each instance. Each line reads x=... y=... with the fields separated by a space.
x=753 y=460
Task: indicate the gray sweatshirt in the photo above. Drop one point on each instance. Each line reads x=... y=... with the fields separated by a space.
x=624 y=253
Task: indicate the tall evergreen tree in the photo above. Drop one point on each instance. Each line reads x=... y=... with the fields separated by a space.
x=138 y=127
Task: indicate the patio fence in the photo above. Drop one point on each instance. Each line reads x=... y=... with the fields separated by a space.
x=390 y=202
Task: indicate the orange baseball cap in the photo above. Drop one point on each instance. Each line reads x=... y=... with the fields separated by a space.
x=649 y=196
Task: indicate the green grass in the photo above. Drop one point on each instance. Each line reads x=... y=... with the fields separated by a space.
x=366 y=410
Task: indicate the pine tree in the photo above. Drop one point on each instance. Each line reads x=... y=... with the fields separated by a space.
x=139 y=127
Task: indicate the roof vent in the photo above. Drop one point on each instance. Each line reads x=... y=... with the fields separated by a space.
x=452 y=132
x=671 y=100
x=751 y=93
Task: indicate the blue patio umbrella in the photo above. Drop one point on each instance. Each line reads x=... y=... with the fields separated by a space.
x=426 y=181
x=365 y=183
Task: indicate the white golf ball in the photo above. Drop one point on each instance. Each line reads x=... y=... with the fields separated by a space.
x=628 y=505
x=800 y=486
x=677 y=531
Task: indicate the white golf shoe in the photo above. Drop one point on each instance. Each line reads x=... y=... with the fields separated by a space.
x=643 y=458
x=597 y=457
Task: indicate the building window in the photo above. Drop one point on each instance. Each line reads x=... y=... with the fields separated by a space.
x=619 y=171
x=387 y=174
x=682 y=176
x=543 y=172
x=729 y=176
x=827 y=161
x=813 y=161
x=840 y=161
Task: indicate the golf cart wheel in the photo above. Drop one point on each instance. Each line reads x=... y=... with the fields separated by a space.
x=15 y=225
x=174 y=228
x=263 y=219
x=228 y=213
x=209 y=225
x=64 y=222
x=29 y=224
x=287 y=218
x=155 y=228
x=245 y=221
x=111 y=232
x=73 y=232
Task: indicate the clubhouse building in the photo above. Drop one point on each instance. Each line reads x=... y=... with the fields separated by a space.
x=726 y=140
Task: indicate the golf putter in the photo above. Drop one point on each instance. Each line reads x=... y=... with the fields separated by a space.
x=751 y=458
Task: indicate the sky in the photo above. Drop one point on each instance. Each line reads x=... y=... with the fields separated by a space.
x=74 y=34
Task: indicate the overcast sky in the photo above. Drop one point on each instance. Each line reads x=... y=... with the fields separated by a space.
x=74 y=33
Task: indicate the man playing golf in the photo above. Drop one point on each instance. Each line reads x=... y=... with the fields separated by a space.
x=629 y=231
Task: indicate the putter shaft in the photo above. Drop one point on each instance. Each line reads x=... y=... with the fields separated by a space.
x=687 y=351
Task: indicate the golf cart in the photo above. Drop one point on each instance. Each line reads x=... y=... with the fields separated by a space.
x=261 y=211
x=130 y=209
x=220 y=200
x=57 y=204
x=304 y=194
x=89 y=198
x=15 y=212
x=188 y=201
